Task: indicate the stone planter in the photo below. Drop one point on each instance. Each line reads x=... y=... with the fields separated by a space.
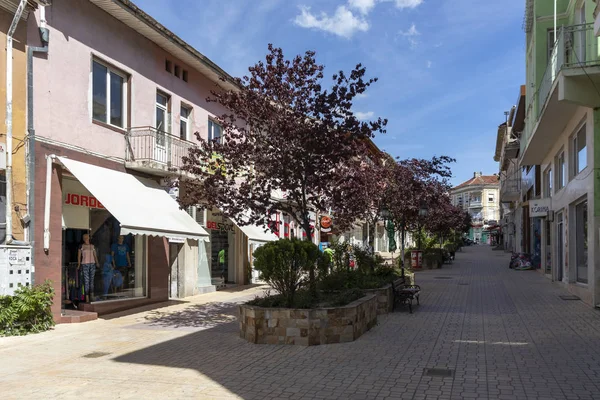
x=308 y=327
x=385 y=297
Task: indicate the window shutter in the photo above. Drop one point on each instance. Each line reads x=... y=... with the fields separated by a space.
x=190 y=211
x=199 y=215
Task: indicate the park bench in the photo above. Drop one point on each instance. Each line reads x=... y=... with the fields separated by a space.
x=405 y=294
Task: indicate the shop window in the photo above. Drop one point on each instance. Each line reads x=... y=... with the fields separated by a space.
x=109 y=94
x=581 y=241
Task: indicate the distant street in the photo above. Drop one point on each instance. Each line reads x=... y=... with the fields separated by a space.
x=496 y=333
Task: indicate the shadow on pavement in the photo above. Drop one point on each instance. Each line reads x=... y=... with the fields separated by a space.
x=153 y=306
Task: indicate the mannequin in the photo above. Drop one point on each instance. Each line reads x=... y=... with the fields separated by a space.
x=87 y=258
x=120 y=257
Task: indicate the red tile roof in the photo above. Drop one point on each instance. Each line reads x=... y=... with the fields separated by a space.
x=479 y=180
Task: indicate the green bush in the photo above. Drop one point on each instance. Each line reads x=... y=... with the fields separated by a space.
x=28 y=311
x=305 y=300
x=286 y=265
x=433 y=257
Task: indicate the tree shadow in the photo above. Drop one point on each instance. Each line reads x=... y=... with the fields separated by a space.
x=136 y=310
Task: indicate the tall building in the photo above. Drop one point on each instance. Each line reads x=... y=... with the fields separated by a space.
x=558 y=146
x=480 y=197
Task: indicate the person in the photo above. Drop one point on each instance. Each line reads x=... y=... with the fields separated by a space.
x=222 y=265
x=88 y=259
x=328 y=252
x=120 y=257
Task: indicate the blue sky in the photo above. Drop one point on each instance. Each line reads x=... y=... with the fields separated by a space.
x=447 y=69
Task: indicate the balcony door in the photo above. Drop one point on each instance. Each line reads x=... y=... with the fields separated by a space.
x=580 y=34
x=163 y=127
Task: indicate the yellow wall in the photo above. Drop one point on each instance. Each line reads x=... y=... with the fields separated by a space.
x=19 y=121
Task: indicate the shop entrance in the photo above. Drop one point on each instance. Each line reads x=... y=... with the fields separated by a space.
x=72 y=280
x=174 y=249
x=219 y=256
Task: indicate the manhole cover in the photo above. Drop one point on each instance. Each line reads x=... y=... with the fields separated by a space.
x=96 y=354
x=443 y=277
x=464 y=284
x=441 y=372
x=569 y=297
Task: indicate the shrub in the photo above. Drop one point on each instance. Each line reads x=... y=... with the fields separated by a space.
x=28 y=311
x=433 y=256
x=286 y=265
x=346 y=297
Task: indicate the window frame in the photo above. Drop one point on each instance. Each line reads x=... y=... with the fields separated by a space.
x=187 y=120
x=575 y=139
x=124 y=94
x=548 y=184
x=211 y=126
x=561 y=170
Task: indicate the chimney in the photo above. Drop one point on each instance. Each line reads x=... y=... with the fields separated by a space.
x=477 y=174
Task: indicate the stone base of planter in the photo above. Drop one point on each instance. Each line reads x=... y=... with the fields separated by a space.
x=308 y=327
x=385 y=296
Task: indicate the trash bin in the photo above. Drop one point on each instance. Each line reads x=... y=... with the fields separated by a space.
x=416 y=258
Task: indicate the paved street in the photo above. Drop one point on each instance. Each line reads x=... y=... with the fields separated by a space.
x=503 y=334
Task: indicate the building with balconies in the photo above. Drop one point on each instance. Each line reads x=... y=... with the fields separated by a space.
x=558 y=146
x=480 y=197
x=118 y=100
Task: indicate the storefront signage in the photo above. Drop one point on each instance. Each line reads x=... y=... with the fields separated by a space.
x=74 y=199
x=173 y=239
x=219 y=226
x=326 y=224
x=539 y=208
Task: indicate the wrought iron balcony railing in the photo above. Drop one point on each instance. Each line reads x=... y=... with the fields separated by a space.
x=151 y=145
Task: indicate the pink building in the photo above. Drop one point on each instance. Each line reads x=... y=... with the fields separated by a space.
x=117 y=98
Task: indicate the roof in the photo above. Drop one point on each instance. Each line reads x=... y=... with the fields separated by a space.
x=482 y=180
x=500 y=141
x=12 y=5
x=135 y=18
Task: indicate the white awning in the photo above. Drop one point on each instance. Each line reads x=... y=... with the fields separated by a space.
x=141 y=206
x=257 y=233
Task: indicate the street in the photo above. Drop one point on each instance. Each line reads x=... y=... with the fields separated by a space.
x=487 y=331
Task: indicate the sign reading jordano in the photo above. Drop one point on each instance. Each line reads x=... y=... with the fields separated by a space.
x=82 y=200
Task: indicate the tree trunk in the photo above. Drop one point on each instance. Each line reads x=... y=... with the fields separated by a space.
x=312 y=281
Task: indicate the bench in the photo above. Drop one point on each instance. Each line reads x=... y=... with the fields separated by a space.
x=405 y=294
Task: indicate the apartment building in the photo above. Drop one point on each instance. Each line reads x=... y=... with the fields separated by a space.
x=559 y=140
x=480 y=197
x=118 y=99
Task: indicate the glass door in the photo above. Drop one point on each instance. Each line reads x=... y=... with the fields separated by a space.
x=163 y=127
x=559 y=246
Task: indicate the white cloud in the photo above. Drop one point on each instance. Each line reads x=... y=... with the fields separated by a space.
x=364 y=6
x=361 y=96
x=342 y=23
x=401 y=4
x=411 y=34
x=364 y=115
x=429 y=63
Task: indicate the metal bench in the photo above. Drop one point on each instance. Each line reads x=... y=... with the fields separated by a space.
x=405 y=294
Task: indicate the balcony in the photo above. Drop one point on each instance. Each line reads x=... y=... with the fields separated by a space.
x=155 y=152
x=569 y=81
x=510 y=190
x=475 y=204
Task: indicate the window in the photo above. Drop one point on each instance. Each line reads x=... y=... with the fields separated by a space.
x=579 y=151
x=184 y=122
x=109 y=90
x=561 y=171
x=177 y=71
x=581 y=241
x=548 y=182
x=215 y=131
x=169 y=66
x=491 y=197
x=163 y=117
x=551 y=39
x=184 y=76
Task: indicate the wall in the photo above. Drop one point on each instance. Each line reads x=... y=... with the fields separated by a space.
x=19 y=110
x=80 y=30
x=577 y=188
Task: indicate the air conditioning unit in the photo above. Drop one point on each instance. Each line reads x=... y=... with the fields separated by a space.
x=15 y=268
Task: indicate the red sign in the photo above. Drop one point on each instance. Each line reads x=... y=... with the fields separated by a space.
x=219 y=226
x=74 y=199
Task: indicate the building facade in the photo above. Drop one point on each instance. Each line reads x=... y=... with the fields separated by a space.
x=107 y=139
x=558 y=146
x=480 y=197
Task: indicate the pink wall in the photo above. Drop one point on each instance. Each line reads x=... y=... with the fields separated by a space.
x=62 y=80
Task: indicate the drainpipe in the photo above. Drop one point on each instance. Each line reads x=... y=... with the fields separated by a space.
x=49 y=160
x=8 y=239
x=45 y=38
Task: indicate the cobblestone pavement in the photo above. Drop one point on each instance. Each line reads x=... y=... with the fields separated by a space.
x=503 y=334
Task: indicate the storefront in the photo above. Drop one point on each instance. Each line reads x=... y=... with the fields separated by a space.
x=110 y=239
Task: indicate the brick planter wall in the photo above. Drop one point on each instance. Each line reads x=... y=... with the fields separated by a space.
x=308 y=327
x=385 y=297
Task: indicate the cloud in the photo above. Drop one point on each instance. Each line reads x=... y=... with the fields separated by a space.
x=411 y=35
x=364 y=6
x=364 y=115
x=361 y=96
x=429 y=63
x=342 y=23
x=401 y=4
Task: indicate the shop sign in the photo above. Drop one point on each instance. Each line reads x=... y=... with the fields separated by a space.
x=539 y=208
x=219 y=226
x=326 y=224
x=74 y=199
x=173 y=239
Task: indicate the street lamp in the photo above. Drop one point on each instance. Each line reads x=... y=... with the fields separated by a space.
x=423 y=212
